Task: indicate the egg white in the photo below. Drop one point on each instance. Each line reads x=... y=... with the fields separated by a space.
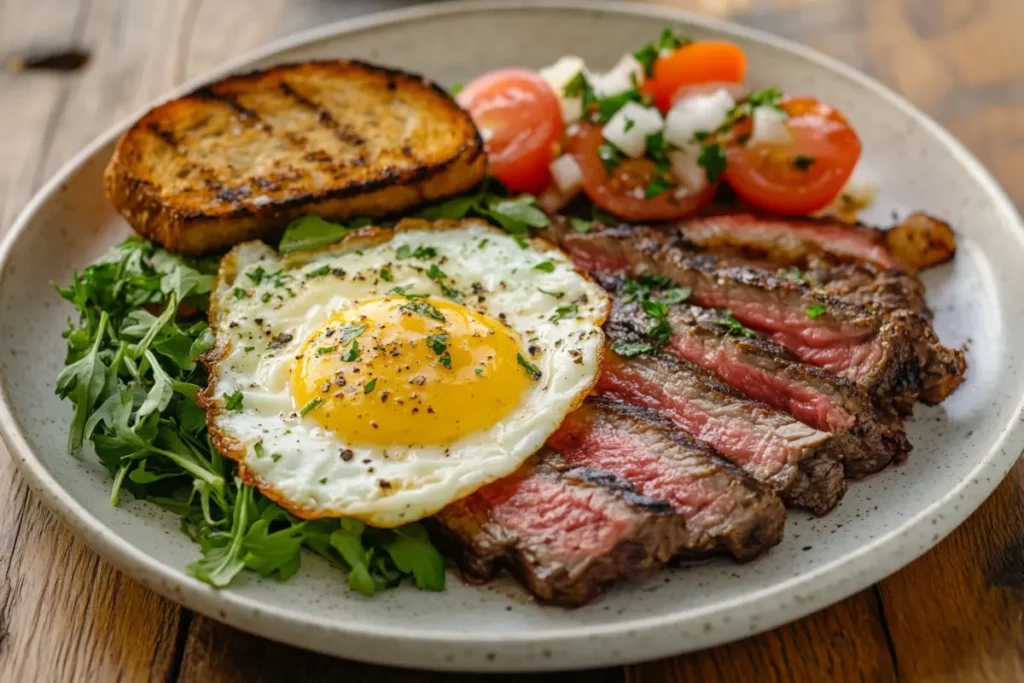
x=264 y=307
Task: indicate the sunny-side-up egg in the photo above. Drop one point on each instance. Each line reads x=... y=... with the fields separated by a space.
x=399 y=371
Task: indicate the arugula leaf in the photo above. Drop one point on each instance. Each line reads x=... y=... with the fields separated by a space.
x=222 y=558
x=269 y=552
x=310 y=232
x=413 y=553
x=82 y=382
x=348 y=542
x=517 y=215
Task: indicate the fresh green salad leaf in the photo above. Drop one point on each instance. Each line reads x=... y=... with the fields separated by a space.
x=132 y=377
x=311 y=232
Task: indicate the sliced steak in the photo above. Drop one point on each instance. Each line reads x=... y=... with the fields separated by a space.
x=867 y=437
x=723 y=507
x=886 y=352
x=799 y=462
x=565 y=532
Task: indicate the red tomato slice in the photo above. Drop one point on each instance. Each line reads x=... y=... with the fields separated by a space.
x=802 y=175
x=703 y=62
x=621 y=192
x=520 y=120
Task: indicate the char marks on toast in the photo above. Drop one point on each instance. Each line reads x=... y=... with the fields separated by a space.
x=239 y=158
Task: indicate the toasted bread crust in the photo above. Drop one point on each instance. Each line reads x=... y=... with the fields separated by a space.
x=237 y=159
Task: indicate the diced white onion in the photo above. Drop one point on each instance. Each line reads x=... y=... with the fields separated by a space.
x=625 y=75
x=558 y=76
x=701 y=113
x=629 y=128
x=687 y=171
x=737 y=91
x=566 y=173
x=769 y=127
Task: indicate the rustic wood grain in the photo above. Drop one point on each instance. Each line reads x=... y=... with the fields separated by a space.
x=955 y=614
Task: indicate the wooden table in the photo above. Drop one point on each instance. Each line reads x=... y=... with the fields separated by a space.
x=66 y=615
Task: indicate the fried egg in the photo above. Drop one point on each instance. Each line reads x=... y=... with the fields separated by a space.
x=398 y=371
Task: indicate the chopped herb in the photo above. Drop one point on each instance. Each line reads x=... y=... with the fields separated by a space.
x=256 y=275
x=610 y=156
x=446 y=360
x=323 y=480
x=545 y=267
x=424 y=309
x=324 y=350
x=483 y=243
x=607 y=107
x=631 y=350
x=275 y=457
x=803 y=162
x=258 y=449
x=712 y=159
x=532 y=370
x=347 y=333
x=581 y=224
x=557 y=295
x=734 y=328
x=312 y=404
x=650 y=52
x=352 y=354
x=240 y=293
x=816 y=311
x=385 y=275
x=450 y=293
x=479 y=371
x=400 y=291
x=233 y=401
x=438 y=343
x=266 y=297
x=676 y=295
x=629 y=125
x=521 y=241
x=319 y=272
x=405 y=251
x=435 y=273
x=564 y=312
x=579 y=87
x=656 y=187
x=454 y=89
x=369 y=386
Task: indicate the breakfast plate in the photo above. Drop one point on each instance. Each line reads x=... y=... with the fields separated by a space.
x=962 y=448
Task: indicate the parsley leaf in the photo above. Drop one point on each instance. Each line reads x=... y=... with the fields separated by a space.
x=734 y=328
x=311 y=405
x=370 y=386
x=352 y=355
x=816 y=311
x=545 y=267
x=564 y=312
x=435 y=273
x=656 y=187
x=424 y=309
x=233 y=401
x=386 y=276
x=631 y=350
x=532 y=370
x=712 y=159
x=610 y=156
x=347 y=333
x=438 y=343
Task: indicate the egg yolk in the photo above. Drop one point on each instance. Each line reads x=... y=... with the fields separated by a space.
x=397 y=371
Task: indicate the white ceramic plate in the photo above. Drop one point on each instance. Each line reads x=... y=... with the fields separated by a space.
x=962 y=449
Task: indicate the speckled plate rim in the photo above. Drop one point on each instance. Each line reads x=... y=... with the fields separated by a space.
x=776 y=604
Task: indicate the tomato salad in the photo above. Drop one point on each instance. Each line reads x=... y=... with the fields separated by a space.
x=654 y=137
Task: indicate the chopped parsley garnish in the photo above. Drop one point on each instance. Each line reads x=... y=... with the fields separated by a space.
x=650 y=52
x=483 y=243
x=435 y=273
x=816 y=311
x=324 y=350
x=629 y=125
x=258 y=449
x=631 y=350
x=347 y=333
x=311 y=405
x=659 y=330
x=323 y=480
x=450 y=293
x=275 y=457
x=532 y=370
x=557 y=295
x=610 y=156
x=479 y=371
x=607 y=107
x=564 y=312
x=233 y=401
x=385 y=275
x=266 y=297
x=405 y=251
x=319 y=272
x=712 y=159
x=438 y=343
x=369 y=386
x=580 y=87
x=446 y=360
x=581 y=224
x=424 y=309
x=400 y=291
x=240 y=293
x=545 y=267
x=256 y=275
x=803 y=162
x=657 y=187
x=676 y=295
x=352 y=354
x=521 y=241
x=734 y=328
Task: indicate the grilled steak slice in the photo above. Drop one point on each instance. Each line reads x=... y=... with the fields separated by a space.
x=565 y=532
x=919 y=242
x=723 y=507
x=796 y=461
x=892 y=354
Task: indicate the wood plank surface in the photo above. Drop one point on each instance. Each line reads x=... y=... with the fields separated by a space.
x=65 y=615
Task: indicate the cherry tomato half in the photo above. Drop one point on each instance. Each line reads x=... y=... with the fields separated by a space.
x=800 y=176
x=701 y=62
x=520 y=120
x=621 y=191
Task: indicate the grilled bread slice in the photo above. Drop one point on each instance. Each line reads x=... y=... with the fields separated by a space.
x=237 y=159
